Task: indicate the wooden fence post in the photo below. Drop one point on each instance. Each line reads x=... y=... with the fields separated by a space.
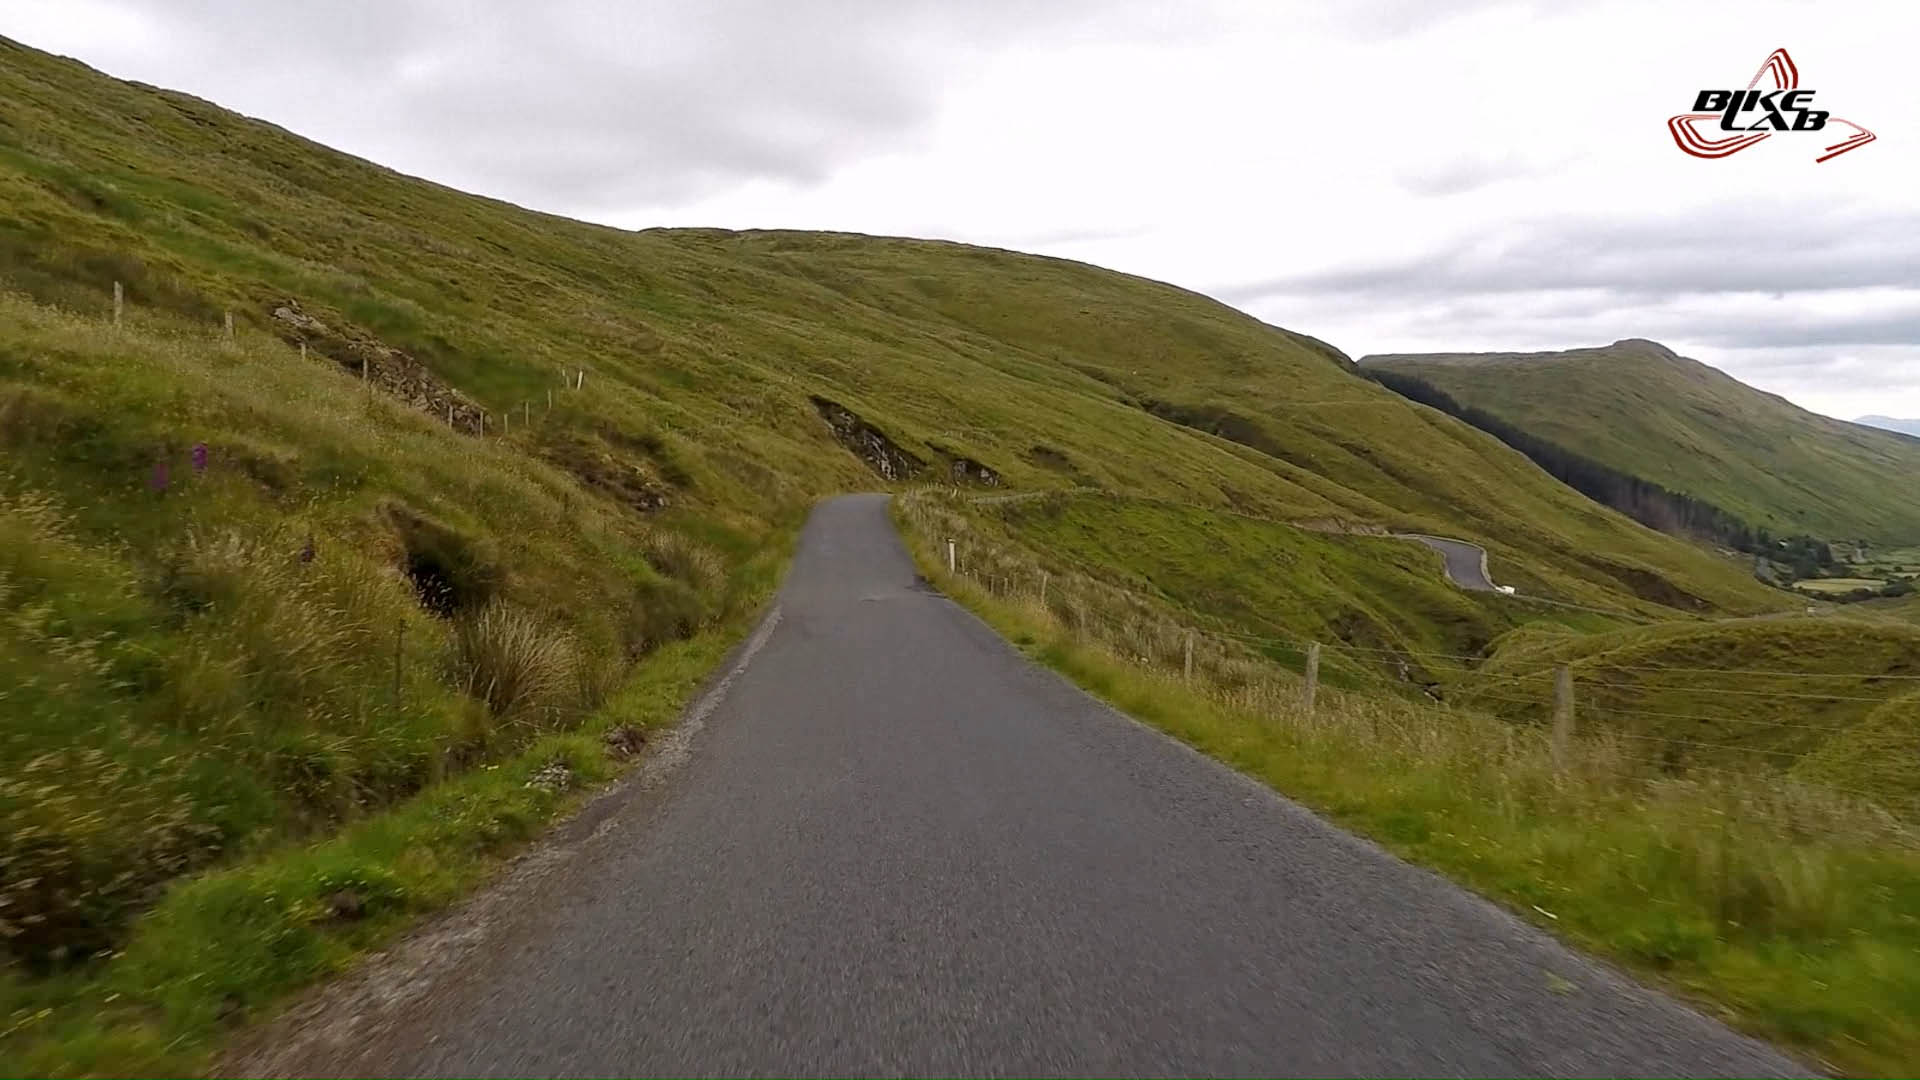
x=1312 y=689
x=1562 y=716
x=399 y=639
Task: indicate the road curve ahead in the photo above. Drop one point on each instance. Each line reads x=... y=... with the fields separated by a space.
x=1466 y=563
x=898 y=847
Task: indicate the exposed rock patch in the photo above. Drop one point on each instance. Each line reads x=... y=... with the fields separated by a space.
x=390 y=370
x=968 y=471
x=608 y=471
x=624 y=741
x=962 y=469
x=867 y=442
x=553 y=777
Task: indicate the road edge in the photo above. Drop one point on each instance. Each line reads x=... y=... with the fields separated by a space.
x=329 y=1020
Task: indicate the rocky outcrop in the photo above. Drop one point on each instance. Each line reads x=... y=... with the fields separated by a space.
x=389 y=370
x=965 y=470
x=868 y=443
x=604 y=468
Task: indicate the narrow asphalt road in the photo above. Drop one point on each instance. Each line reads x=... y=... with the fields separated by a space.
x=1466 y=563
x=898 y=847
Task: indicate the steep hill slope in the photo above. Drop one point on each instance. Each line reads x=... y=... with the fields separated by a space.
x=1046 y=372
x=320 y=612
x=457 y=467
x=1636 y=407
x=1762 y=693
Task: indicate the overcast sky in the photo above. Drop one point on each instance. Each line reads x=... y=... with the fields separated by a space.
x=1389 y=175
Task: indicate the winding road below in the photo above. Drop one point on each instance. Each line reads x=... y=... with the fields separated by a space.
x=1466 y=564
x=891 y=844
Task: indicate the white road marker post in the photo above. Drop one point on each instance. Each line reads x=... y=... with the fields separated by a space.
x=1189 y=663
x=1562 y=716
x=952 y=564
x=119 y=301
x=1312 y=688
x=229 y=321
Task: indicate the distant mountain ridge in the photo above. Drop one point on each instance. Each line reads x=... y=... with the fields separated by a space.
x=1890 y=423
x=1676 y=443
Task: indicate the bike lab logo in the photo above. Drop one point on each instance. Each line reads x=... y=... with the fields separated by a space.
x=1757 y=113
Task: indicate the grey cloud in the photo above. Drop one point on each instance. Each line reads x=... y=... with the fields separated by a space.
x=1401 y=18
x=584 y=106
x=1900 y=328
x=1752 y=251
x=1463 y=175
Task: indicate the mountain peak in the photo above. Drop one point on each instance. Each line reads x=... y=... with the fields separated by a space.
x=1646 y=345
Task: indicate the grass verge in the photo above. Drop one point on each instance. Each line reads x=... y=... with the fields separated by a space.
x=1784 y=909
x=225 y=948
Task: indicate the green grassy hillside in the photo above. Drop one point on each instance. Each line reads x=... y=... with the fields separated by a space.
x=1681 y=697
x=1045 y=371
x=1762 y=693
x=449 y=428
x=245 y=601
x=1776 y=883
x=463 y=476
x=1380 y=605
x=1640 y=409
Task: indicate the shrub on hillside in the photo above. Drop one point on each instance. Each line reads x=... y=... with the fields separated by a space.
x=521 y=669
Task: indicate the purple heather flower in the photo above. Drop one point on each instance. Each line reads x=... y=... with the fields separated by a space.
x=199 y=457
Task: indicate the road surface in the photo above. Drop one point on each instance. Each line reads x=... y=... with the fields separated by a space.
x=1466 y=563
x=895 y=846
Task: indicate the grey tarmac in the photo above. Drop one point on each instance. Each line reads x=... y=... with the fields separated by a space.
x=1466 y=564
x=896 y=846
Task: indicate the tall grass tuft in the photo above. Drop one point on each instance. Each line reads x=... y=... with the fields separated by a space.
x=525 y=672
x=679 y=556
